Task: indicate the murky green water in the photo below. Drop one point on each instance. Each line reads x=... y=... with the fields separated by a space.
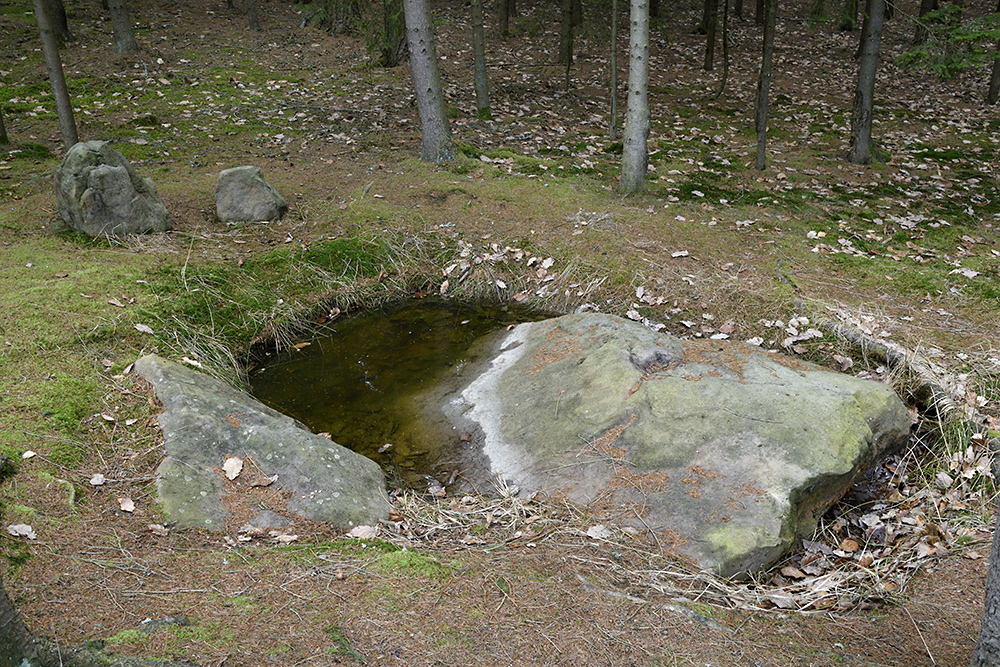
x=365 y=381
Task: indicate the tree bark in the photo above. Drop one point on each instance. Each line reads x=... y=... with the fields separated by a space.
x=57 y=19
x=738 y=9
x=577 y=13
x=613 y=65
x=566 y=33
x=864 y=95
x=994 y=92
x=479 y=55
x=711 y=23
x=3 y=130
x=53 y=64
x=253 y=19
x=121 y=25
x=635 y=155
x=926 y=7
x=436 y=133
x=759 y=17
x=987 y=651
x=505 y=18
x=725 y=49
x=764 y=83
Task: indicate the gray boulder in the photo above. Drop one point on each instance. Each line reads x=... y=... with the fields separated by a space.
x=727 y=452
x=99 y=193
x=242 y=195
x=205 y=421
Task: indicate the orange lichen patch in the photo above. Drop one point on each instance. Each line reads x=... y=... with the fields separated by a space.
x=716 y=353
x=603 y=442
x=748 y=489
x=234 y=420
x=557 y=347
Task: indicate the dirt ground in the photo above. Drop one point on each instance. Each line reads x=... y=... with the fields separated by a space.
x=451 y=581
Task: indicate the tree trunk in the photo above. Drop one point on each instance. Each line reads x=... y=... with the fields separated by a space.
x=764 y=83
x=987 y=651
x=613 y=64
x=121 y=24
x=577 y=13
x=848 y=16
x=479 y=56
x=436 y=133
x=505 y=18
x=57 y=19
x=252 y=18
x=759 y=18
x=738 y=9
x=864 y=95
x=725 y=49
x=994 y=92
x=3 y=130
x=711 y=22
x=14 y=637
x=393 y=49
x=50 y=48
x=566 y=33
x=635 y=156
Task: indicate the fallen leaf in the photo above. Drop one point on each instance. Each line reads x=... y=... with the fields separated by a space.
x=680 y=253
x=792 y=572
x=158 y=530
x=143 y=328
x=782 y=600
x=233 y=467
x=127 y=504
x=116 y=302
x=266 y=481
x=849 y=545
x=27 y=454
x=599 y=532
x=363 y=532
x=285 y=538
x=97 y=480
x=21 y=529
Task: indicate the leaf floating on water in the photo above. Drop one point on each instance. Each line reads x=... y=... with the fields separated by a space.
x=233 y=467
x=21 y=530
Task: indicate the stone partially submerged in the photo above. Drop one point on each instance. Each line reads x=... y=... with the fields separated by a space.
x=727 y=452
x=205 y=422
x=99 y=193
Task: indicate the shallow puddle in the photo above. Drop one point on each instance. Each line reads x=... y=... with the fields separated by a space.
x=361 y=381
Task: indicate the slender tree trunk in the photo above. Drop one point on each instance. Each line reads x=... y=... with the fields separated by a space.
x=505 y=18
x=738 y=9
x=566 y=33
x=987 y=651
x=121 y=24
x=725 y=49
x=711 y=23
x=635 y=155
x=994 y=92
x=614 y=70
x=479 y=56
x=577 y=13
x=57 y=19
x=436 y=133
x=759 y=17
x=50 y=48
x=764 y=83
x=252 y=18
x=864 y=95
x=3 y=130
x=848 y=19
x=926 y=6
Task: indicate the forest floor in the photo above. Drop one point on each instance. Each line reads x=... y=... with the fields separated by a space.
x=903 y=250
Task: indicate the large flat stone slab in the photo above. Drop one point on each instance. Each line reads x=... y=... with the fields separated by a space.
x=205 y=421
x=727 y=452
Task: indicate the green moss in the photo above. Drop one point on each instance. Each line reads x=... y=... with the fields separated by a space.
x=65 y=400
x=407 y=562
x=131 y=636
